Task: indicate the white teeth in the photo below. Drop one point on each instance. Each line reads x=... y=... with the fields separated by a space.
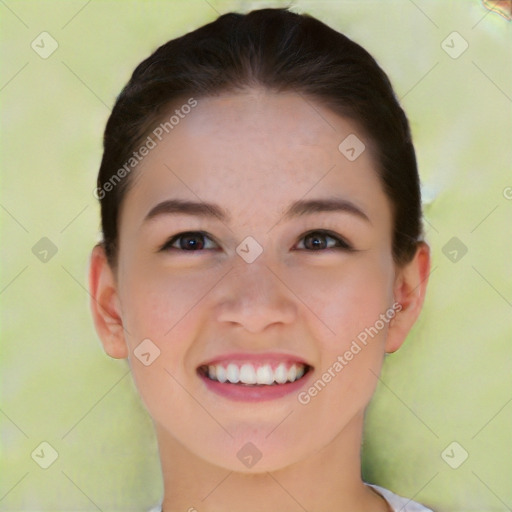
x=264 y=375
x=233 y=373
x=247 y=374
x=221 y=374
x=292 y=373
x=261 y=375
x=281 y=374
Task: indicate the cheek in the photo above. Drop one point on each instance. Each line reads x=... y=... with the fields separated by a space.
x=166 y=308
x=158 y=308
x=361 y=294
x=348 y=297
x=155 y=302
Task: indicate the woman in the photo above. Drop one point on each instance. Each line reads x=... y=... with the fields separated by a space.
x=262 y=251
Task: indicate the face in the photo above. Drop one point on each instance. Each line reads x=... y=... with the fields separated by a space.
x=268 y=283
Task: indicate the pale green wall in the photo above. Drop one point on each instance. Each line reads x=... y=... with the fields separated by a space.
x=451 y=380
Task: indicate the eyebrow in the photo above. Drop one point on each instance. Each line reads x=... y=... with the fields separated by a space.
x=296 y=209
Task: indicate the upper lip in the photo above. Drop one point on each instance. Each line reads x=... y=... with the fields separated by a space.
x=261 y=358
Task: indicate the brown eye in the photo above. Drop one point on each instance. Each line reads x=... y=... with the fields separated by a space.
x=188 y=241
x=317 y=241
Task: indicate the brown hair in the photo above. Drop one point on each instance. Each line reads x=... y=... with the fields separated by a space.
x=281 y=51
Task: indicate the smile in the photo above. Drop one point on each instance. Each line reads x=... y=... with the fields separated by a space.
x=251 y=374
x=254 y=377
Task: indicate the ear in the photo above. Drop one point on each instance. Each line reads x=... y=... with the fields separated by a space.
x=409 y=291
x=105 y=306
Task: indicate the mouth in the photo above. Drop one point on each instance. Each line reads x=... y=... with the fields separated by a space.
x=251 y=380
x=250 y=374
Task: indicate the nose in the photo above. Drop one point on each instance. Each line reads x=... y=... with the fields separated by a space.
x=255 y=296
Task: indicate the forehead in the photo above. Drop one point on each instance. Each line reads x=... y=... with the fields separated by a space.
x=256 y=152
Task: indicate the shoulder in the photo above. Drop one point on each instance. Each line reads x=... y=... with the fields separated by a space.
x=399 y=503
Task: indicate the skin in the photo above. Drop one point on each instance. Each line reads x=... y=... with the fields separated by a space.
x=254 y=153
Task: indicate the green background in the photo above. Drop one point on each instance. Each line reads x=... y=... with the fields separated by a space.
x=450 y=381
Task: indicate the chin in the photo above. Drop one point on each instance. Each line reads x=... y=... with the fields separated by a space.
x=255 y=452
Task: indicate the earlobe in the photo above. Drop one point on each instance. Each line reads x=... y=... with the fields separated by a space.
x=104 y=304
x=409 y=291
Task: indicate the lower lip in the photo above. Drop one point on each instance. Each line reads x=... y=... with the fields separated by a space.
x=243 y=393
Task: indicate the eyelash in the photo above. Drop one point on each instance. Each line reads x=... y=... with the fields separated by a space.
x=342 y=244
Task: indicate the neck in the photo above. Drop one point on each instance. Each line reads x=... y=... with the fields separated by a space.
x=329 y=479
